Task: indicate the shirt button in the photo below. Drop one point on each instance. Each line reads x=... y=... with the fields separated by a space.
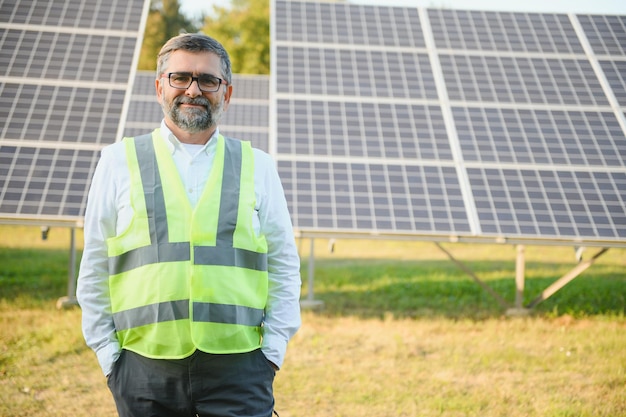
x=190 y=190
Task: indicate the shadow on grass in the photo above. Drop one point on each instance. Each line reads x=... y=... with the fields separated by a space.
x=439 y=289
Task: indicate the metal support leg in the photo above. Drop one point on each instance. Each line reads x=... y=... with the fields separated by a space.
x=310 y=302
x=519 y=277
x=469 y=272
x=70 y=299
x=520 y=266
x=561 y=282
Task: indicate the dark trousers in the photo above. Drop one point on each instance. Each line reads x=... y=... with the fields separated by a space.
x=206 y=385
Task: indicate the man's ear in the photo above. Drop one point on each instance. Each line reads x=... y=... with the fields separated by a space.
x=159 y=89
x=227 y=95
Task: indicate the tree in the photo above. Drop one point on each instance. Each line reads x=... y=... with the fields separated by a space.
x=164 y=21
x=244 y=30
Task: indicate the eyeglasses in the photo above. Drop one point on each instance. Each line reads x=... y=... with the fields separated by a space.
x=182 y=80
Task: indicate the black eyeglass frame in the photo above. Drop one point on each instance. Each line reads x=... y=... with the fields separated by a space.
x=196 y=79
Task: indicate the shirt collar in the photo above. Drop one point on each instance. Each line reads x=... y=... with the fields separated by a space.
x=173 y=144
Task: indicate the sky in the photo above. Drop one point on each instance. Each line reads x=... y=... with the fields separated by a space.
x=193 y=8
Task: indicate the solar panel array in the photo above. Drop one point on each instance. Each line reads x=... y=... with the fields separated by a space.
x=247 y=117
x=442 y=124
x=66 y=69
x=450 y=124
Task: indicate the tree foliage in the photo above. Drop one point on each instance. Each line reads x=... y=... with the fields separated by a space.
x=164 y=21
x=244 y=30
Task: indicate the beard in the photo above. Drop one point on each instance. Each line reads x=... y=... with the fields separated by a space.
x=193 y=120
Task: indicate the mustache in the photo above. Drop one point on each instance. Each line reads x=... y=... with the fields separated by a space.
x=202 y=101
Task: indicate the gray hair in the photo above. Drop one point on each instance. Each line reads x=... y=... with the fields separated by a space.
x=194 y=42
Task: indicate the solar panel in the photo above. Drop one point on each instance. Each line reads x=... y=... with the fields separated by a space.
x=66 y=69
x=247 y=117
x=450 y=124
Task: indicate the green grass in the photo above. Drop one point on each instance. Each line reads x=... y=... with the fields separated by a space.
x=429 y=288
x=31 y=277
x=370 y=283
x=403 y=332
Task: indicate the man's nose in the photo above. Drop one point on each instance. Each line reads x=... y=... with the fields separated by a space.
x=194 y=89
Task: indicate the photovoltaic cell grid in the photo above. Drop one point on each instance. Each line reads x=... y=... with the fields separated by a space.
x=63 y=82
x=247 y=117
x=451 y=124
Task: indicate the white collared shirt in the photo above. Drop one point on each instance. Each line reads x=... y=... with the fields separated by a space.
x=109 y=213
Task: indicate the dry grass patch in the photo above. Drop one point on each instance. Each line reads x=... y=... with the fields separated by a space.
x=437 y=367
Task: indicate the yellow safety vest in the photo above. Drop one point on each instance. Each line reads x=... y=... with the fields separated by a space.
x=184 y=278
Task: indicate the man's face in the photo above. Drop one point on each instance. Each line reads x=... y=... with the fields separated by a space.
x=191 y=109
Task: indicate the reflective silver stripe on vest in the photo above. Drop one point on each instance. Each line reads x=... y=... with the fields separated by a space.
x=217 y=255
x=153 y=313
x=152 y=189
x=229 y=203
x=162 y=252
x=227 y=313
x=178 y=310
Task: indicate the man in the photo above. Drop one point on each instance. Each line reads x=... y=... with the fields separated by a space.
x=189 y=281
